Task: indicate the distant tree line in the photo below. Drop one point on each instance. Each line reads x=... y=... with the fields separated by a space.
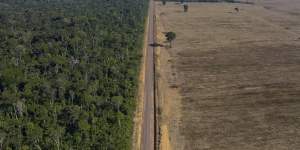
x=68 y=73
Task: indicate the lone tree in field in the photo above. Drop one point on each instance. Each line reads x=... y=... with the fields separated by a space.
x=164 y=2
x=236 y=9
x=171 y=36
x=185 y=7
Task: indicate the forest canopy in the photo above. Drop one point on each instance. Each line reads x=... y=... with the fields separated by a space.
x=68 y=73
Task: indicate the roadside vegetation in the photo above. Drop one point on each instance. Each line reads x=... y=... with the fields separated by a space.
x=68 y=73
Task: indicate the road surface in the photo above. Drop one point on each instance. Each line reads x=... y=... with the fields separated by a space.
x=148 y=130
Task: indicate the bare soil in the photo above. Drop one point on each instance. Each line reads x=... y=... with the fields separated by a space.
x=231 y=81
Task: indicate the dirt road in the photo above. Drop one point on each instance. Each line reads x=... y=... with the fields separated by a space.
x=148 y=130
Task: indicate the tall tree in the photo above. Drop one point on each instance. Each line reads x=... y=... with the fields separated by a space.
x=170 y=36
x=185 y=7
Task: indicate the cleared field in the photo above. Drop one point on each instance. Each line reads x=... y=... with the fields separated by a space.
x=231 y=80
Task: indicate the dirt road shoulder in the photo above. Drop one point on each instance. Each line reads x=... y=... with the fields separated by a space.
x=138 y=118
x=167 y=94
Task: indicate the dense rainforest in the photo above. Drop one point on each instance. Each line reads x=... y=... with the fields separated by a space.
x=68 y=73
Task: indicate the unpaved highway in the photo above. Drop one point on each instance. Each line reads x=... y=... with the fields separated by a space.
x=148 y=130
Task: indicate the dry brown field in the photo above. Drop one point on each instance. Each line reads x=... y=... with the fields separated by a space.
x=231 y=81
